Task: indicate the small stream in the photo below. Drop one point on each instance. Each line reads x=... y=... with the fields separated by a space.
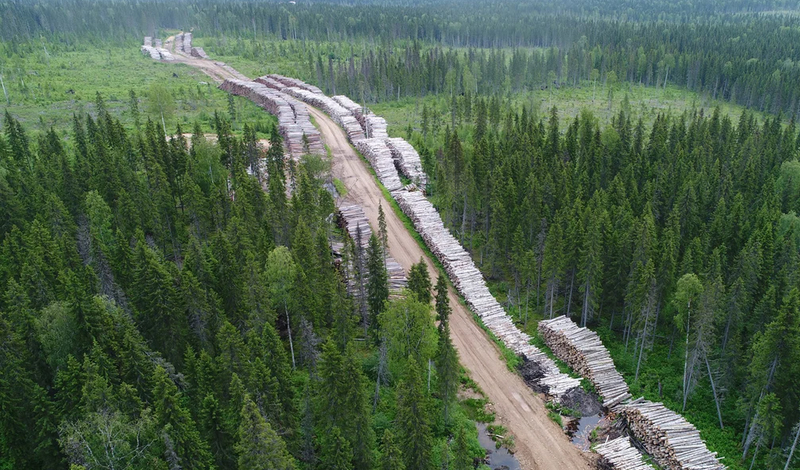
x=498 y=459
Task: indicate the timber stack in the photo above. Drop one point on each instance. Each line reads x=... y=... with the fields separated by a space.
x=619 y=454
x=457 y=262
x=674 y=443
x=469 y=281
x=583 y=351
x=294 y=122
x=148 y=41
x=165 y=54
x=294 y=83
x=152 y=52
x=408 y=161
x=157 y=43
x=199 y=53
x=375 y=126
x=380 y=157
x=178 y=43
x=187 y=43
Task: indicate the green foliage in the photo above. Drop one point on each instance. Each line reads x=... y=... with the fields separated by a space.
x=258 y=446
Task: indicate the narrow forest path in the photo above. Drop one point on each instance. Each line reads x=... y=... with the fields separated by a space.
x=540 y=443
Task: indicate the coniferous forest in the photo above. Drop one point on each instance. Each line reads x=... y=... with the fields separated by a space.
x=169 y=298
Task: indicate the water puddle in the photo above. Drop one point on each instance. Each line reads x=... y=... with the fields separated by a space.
x=497 y=459
x=583 y=430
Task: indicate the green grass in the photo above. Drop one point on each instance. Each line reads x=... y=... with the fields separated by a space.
x=45 y=91
x=555 y=417
x=340 y=187
x=643 y=102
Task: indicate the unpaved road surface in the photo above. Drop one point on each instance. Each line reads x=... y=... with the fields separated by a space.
x=540 y=443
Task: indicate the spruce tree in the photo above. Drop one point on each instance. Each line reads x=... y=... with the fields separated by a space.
x=442 y=301
x=446 y=370
x=258 y=447
x=178 y=424
x=413 y=419
x=335 y=452
x=419 y=282
x=391 y=457
x=377 y=286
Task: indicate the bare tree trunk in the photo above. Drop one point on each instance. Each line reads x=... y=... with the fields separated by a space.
x=289 y=329
x=794 y=445
x=641 y=346
x=714 y=390
x=686 y=355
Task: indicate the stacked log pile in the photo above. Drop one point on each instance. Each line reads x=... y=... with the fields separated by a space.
x=152 y=52
x=157 y=43
x=380 y=157
x=408 y=161
x=619 y=454
x=674 y=443
x=148 y=41
x=293 y=82
x=340 y=115
x=178 y=43
x=469 y=281
x=582 y=350
x=199 y=53
x=187 y=43
x=375 y=126
x=293 y=119
x=353 y=218
x=271 y=82
x=349 y=105
x=165 y=54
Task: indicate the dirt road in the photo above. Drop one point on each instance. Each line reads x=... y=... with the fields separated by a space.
x=540 y=443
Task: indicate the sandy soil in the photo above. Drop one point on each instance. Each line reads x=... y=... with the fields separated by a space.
x=540 y=443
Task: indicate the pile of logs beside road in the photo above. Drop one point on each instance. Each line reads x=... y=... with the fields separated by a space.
x=470 y=283
x=151 y=51
x=165 y=54
x=583 y=351
x=380 y=157
x=178 y=42
x=148 y=41
x=199 y=53
x=619 y=454
x=408 y=161
x=674 y=443
x=294 y=122
x=375 y=126
x=295 y=83
x=187 y=43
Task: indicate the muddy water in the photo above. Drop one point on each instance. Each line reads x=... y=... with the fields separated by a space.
x=498 y=459
x=586 y=425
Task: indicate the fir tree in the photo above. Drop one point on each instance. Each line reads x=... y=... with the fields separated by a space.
x=258 y=447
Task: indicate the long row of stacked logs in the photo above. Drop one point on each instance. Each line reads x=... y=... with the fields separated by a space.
x=294 y=122
x=620 y=454
x=354 y=221
x=457 y=262
x=183 y=43
x=673 y=442
x=583 y=351
x=156 y=52
x=469 y=281
x=358 y=122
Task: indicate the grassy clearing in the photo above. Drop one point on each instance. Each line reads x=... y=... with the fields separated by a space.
x=643 y=102
x=44 y=92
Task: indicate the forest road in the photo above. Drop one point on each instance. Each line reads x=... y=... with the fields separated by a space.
x=540 y=443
